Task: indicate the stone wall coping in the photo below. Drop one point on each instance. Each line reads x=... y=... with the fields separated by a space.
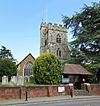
x=32 y=86
x=87 y=84
x=70 y=84
x=9 y=87
x=95 y=84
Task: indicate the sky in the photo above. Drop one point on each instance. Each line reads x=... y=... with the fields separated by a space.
x=20 y=22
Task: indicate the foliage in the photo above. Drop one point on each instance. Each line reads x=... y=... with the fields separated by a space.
x=85 y=27
x=93 y=69
x=47 y=69
x=5 y=53
x=86 y=31
x=7 y=67
x=77 y=56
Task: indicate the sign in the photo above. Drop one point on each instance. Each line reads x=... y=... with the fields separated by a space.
x=61 y=89
x=65 y=80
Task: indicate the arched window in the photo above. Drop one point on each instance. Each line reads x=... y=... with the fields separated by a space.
x=58 y=52
x=46 y=42
x=28 y=69
x=58 y=39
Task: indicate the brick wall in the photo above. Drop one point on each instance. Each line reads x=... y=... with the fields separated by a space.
x=95 y=89
x=9 y=93
x=36 y=91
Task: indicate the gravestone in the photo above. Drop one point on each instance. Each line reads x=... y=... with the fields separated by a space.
x=5 y=80
x=20 y=80
x=13 y=80
x=32 y=79
x=25 y=79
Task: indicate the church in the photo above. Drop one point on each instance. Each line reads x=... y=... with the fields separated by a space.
x=53 y=39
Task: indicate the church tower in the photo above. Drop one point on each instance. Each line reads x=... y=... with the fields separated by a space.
x=53 y=39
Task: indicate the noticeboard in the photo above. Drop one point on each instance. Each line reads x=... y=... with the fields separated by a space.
x=61 y=89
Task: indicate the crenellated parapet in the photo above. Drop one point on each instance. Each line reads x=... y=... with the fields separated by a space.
x=54 y=26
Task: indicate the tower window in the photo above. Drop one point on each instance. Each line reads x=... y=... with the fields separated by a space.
x=58 y=52
x=46 y=42
x=58 y=39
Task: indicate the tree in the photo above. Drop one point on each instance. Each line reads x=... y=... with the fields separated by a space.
x=94 y=68
x=77 y=56
x=47 y=69
x=5 y=53
x=7 y=67
x=85 y=28
x=86 y=31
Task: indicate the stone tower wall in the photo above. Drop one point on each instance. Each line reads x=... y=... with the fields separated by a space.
x=48 y=43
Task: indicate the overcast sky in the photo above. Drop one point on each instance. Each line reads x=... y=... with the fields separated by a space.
x=20 y=22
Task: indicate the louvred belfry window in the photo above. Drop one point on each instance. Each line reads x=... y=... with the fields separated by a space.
x=58 y=52
x=58 y=39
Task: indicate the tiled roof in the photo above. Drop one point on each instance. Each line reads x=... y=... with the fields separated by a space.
x=75 y=69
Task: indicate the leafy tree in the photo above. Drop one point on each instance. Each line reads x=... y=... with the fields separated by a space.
x=77 y=56
x=93 y=68
x=86 y=31
x=47 y=69
x=85 y=28
x=7 y=67
x=5 y=53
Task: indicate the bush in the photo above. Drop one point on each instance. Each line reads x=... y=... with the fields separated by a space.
x=47 y=69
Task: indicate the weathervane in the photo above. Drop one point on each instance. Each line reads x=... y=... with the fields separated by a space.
x=46 y=15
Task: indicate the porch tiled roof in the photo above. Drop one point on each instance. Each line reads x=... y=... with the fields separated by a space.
x=75 y=69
